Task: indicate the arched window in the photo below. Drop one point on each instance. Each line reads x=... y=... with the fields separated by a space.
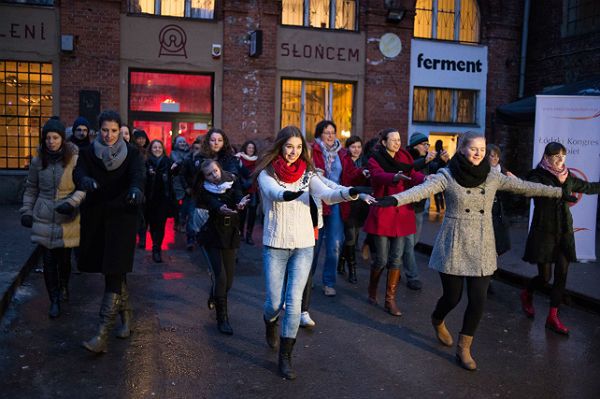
x=456 y=20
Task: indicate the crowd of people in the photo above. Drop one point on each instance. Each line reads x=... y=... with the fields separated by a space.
x=97 y=196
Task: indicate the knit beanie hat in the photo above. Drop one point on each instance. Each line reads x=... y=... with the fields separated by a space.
x=81 y=121
x=417 y=138
x=180 y=139
x=53 y=125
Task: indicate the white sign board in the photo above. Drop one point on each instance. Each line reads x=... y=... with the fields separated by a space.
x=574 y=121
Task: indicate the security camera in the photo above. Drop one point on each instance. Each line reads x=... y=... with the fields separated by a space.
x=216 y=50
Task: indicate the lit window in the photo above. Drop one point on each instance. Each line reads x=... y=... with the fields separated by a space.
x=444 y=105
x=581 y=16
x=306 y=102
x=201 y=9
x=323 y=14
x=456 y=20
x=25 y=105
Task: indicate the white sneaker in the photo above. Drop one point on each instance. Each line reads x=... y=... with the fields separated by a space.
x=305 y=320
x=329 y=291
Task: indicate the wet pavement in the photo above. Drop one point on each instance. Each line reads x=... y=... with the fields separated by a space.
x=355 y=351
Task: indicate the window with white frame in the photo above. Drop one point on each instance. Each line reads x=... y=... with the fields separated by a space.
x=580 y=16
x=323 y=14
x=441 y=105
x=456 y=20
x=200 y=9
x=304 y=103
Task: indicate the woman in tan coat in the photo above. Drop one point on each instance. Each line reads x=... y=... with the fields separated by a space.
x=50 y=205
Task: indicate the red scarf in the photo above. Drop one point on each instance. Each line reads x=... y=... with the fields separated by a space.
x=288 y=173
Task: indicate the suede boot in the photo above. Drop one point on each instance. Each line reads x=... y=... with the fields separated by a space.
x=286 y=345
x=108 y=313
x=126 y=314
x=463 y=352
x=441 y=332
x=271 y=332
x=351 y=259
x=373 y=283
x=393 y=277
x=222 y=316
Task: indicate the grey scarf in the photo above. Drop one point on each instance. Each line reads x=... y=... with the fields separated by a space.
x=112 y=156
x=329 y=153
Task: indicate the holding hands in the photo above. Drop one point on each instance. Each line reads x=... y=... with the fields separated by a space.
x=291 y=195
x=386 y=201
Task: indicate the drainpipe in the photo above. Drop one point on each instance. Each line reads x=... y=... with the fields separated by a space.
x=524 y=47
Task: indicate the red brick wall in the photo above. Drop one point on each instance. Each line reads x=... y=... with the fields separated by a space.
x=249 y=83
x=94 y=63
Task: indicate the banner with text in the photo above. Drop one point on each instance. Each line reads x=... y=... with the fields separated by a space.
x=574 y=121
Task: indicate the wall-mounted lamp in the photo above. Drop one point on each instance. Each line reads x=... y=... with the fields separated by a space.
x=395 y=10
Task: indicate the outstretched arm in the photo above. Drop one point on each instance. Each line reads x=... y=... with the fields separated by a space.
x=435 y=184
x=528 y=188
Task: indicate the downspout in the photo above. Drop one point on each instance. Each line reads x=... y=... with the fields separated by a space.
x=524 y=37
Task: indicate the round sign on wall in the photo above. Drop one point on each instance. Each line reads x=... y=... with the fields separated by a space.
x=390 y=45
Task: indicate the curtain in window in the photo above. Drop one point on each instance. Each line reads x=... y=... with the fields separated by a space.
x=292 y=12
x=342 y=107
x=469 y=21
x=141 y=6
x=315 y=105
x=465 y=112
x=345 y=14
x=420 y=107
x=422 y=26
x=442 y=105
x=291 y=102
x=172 y=8
x=319 y=13
x=445 y=20
x=204 y=9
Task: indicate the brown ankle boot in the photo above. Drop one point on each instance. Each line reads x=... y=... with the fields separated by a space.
x=442 y=333
x=373 y=282
x=463 y=352
x=393 y=277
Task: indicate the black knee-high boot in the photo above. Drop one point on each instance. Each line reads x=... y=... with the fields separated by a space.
x=64 y=274
x=351 y=259
x=286 y=346
x=51 y=278
x=108 y=313
x=222 y=316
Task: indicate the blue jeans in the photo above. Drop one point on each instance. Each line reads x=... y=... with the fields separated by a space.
x=409 y=263
x=332 y=235
x=388 y=251
x=286 y=272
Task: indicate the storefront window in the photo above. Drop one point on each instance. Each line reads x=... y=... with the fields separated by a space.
x=456 y=20
x=201 y=9
x=306 y=102
x=323 y=14
x=25 y=105
x=444 y=105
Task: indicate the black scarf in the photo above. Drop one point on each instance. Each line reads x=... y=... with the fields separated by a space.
x=465 y=173
x=389 y=164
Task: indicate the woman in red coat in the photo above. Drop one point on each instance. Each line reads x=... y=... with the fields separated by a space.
x=391 y=172
x=354 y=214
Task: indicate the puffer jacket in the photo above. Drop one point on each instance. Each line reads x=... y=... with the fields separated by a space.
x=45 y=189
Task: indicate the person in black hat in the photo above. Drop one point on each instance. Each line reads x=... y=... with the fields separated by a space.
x=50 y=205
x=81 y=131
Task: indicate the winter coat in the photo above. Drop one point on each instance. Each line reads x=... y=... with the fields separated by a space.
x=551 y=228
x=353 y=213
x=108 y=223
x=501 y=223
x=222 y=231
x=465 y=244
x=179 y=156
x=45 y=189
x=319 y=161
x=159 y=192
x=288 y=224
x=391 y=222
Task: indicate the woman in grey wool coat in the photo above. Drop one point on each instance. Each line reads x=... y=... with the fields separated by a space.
x=464 y=248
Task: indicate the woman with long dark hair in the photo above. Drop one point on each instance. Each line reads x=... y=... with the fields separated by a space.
x=160 y=195
x=464 y=250
x=286 y=179
x=248 y=157
x=50 y=205
x=216 y=146
x=112 y=173
x=551 y=240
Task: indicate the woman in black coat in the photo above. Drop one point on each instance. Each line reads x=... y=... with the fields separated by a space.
x=160 y=195
x=219 y=192
x=551 y=239
x=112 y=173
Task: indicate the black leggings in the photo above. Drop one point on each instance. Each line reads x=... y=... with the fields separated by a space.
x=157 y=230
x=476 y=293
x=113 y=282
x=222 y=262
x=57 y=268
x=561 y=268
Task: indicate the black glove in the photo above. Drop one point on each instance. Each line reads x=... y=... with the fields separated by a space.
x=65 y=209
x=387 y=201
x=360 y=190
x=88 y=184
x=27 y=221
x=135 y=197
x=291 y=195
x=567 y=197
